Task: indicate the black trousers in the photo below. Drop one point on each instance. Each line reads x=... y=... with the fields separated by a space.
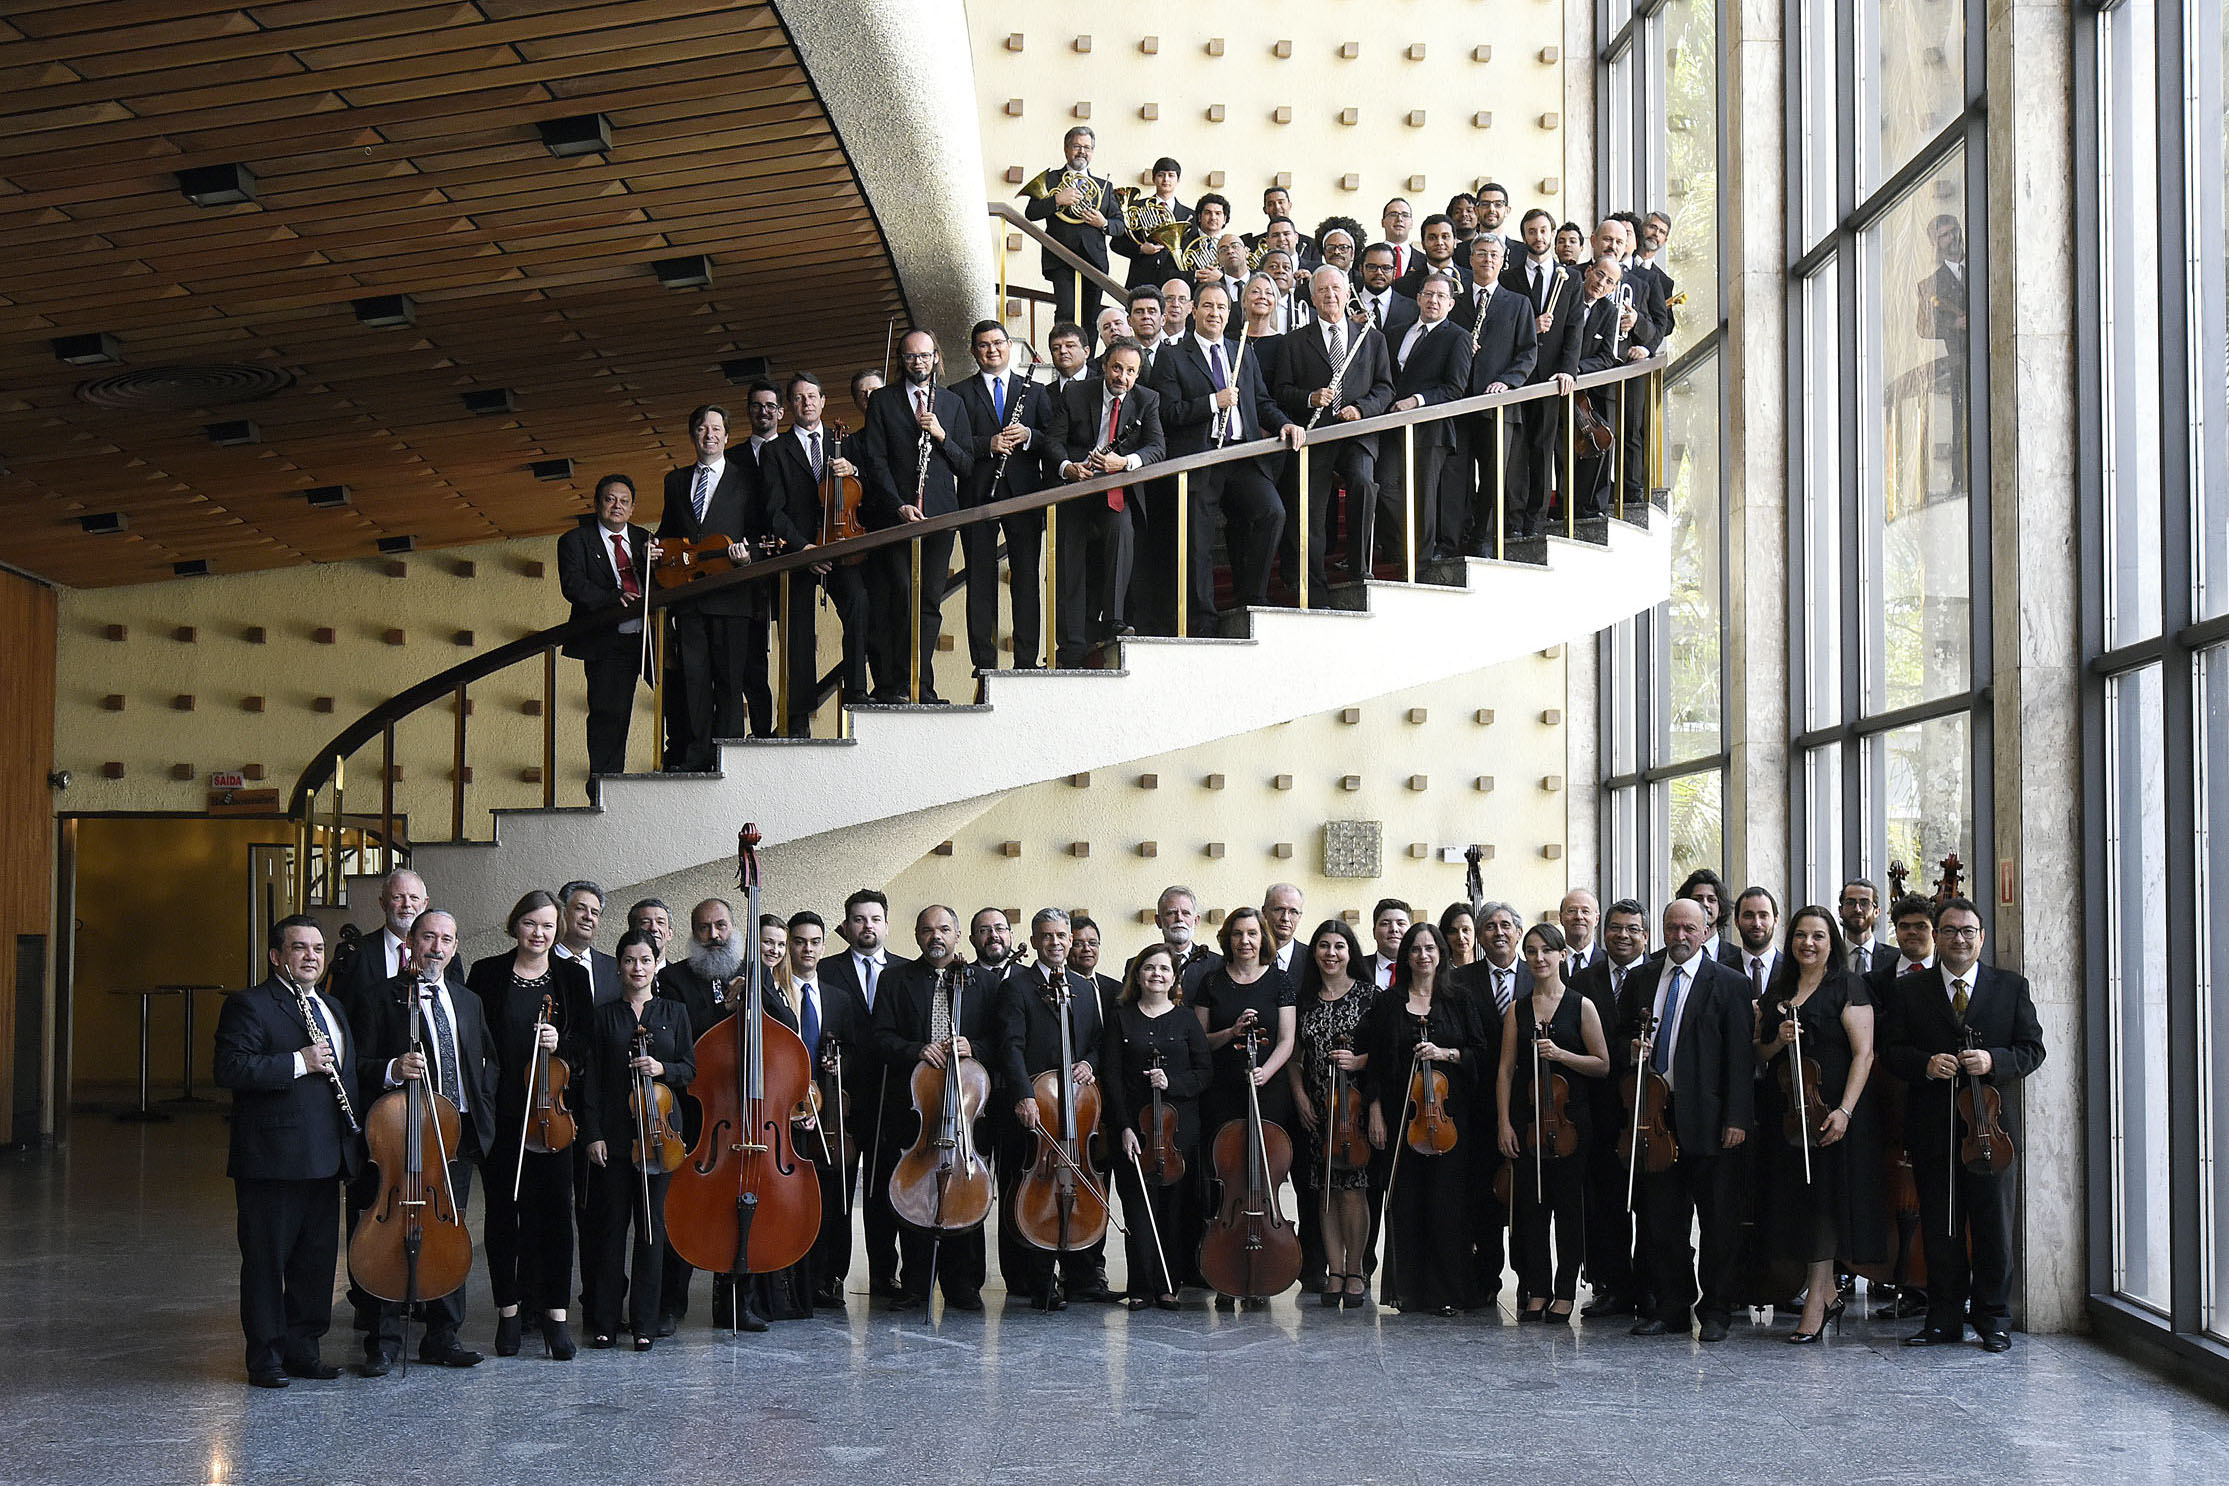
x=289 y=1238
x=1093 y=573
x=615 y=1212
x=1152 y=1241
x=830 y=1259
x=529 y=1243
x=1075 y=298
x=1469 y=482
x=1561 y=1198
x=1346 y=463
x=892 y=601
x=1979 y=1290
x=959 y=1261
x=1025 y=541
x=1698 y=1190
x=1539 y=459
x=1433 y=510
x=611 y=706
x=1633 y=407
x=724 y=692
x=1429 y=1214
x=846 y=593
x=1027 y=1269
x=443 y=1317
x=1253 y=517
x=1610 y=1247
x=1489 y=1221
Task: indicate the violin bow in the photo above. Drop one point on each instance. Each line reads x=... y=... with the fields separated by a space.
x=1795 y=1079
x=1539 y=1118
x=1640 y=1092
x=526 y=1120
x=1154 y=1224
x=1401 y=1133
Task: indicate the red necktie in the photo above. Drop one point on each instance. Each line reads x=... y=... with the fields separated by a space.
x=626 y=565
x=1114 y=421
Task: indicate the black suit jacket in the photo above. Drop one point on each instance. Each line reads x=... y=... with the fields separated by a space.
x=1437 y=370
x=1026 y=469
x=1146 y=268
x=1186 y=388
x=790 y=496
x=1595 y=984
x=1736 y=959
x=1304 y=365
x=1597 y=333
x=1713 y=1058
x=900 y=1025
x=382 y=1029
x=586 y=577
x=1400 y=313
x=1559 y=345
x=1457 y=268
x=1074 y=427
x=734 y=512
x=1029 y=1032
x=889 y=453
x=366 y=971
x=603 y=975
x=284 y=1129
x=510 y=1027
x=1085 y=241
x=1508 y=346
x=1915 y=1022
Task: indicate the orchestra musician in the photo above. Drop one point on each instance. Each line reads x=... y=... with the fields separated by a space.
x=792 y=469
x=1508 y=357
x=1153 y=1044
x=1097 y=427
x=529 y=1238
x=1550 y=1032
x=1344 y=371
x=1961 y=1027
x=600 y=566
x=916 y=454
x=831 y=1023
x=1431 y=364
x=1459 y=927
x=1333 y=1009
x=1244 y=990
x=286 y=1054
x=607 y=1128
x=1149 y=260
x=1075 y=216
x=1009 y=418
x=700 y=984
x=853 y=977
x=1490 y=979
x=1617 y=1269
x=1552 y=292
x=458 y=1064
x=719 y=642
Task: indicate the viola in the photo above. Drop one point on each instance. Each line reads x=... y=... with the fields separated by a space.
x=685 y=560
x=1986 y=1149
x=839 y=497
x=745 y=1202
x=1552 y=1135
x=1805 y=1121
x=1163 y=1161
x=549 y=1117
x=1647 y=1144
x=1347 y=1146
x=1249 y=1249
x=1062 y=1201
x=411 y=1244
x=1431 y=1129
x=942 y=1183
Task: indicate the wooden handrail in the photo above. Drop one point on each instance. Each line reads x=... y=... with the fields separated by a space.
x=1006 y=213
x=322 y=765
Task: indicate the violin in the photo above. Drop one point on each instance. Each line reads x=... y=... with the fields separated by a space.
x=1157 y=1132
x=832 y=1111
x=1062 y=1201
x=942 y=1183
x=1805 y=1121
x=411 y=1244
x=1249 y=1248
x=1648 y=1143
x=1431 y=1129
x=659 y=1147
x=1346 y=1145
x=549 y=1119
x=1986 y=1149
x=1552 y=1136
x=839 y=497
x=684 y=560
x=744 y=1201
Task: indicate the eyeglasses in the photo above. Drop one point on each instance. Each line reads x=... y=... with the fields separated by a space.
x=1970 y=931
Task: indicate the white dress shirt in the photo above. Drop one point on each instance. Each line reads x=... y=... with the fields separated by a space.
x=1667 y=1033
x=336 y=1030
x=436 y=1055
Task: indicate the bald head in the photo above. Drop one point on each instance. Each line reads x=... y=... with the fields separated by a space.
x=1684 y=929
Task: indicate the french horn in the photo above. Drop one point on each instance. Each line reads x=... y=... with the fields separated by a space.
x=1058 y=178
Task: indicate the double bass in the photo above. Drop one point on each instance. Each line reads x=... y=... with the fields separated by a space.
x=1062 y=1201
x=942 y=1183
x=410 y=1244
x=746 y=1201
x=1249 y=1249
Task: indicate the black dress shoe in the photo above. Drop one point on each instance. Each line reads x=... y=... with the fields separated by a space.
x=1098 y=1294
x=1714 y=1330
x=449 y=1356
x=905 y=1302
x=508 y=1329
x=971 y=1301
x=376 y=1365
x=1931 y=1337
x=313 y=1370
x=1608 y=1305
x=668 y=1325
x=267 y=1379
x=1653 y=1326
x=1902 y=1308
x=1996 y=1341
x=828 y=1299
x=884 y=1290
x=747 y=1319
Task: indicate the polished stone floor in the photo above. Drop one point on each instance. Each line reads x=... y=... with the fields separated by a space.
x=118 y=1281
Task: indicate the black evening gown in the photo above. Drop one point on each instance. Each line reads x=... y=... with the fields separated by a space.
x=1841 y=1212
x=1428 y=1207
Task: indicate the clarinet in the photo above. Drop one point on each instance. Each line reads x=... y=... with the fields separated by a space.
x=1013 y=419
x=921 y=469
x=1337 y=376
x=332 y=1074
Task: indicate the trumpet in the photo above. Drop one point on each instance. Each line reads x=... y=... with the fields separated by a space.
x=1059 y=178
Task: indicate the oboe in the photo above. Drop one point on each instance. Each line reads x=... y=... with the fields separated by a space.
x=921 y=469
x=317 y=1038
x=1337 y=376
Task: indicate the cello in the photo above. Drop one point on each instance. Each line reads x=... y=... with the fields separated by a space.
x=1249 y=1249
x=942 y=1183
x=548 y=1124
x=410 y=1244
x=1062 y=1201
x=745 y=1201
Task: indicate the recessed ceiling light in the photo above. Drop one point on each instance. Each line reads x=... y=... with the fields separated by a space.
x=197 y=568
x=745 y=369
x=552 y=469
x=217 y=185
x=396 y=546
x=582 y=134
x=386 y=311
x=97 y=349
x=489 y=400
x=104 y=522
x=692 y=272
x=233 y=435
x=327 y=497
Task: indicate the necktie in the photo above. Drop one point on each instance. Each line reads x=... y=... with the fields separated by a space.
x=1660 y=1057
x=444 y=1047
x=998 y=399
x=701 y=498
x=1958 y=999
x=1226 y=422
x=626 y=565
x=815 y=437
x=1114 y=421
x=1912 y=969
x=1502 y=992
x=874 y=968
x=324 y=1027
x=940 y=1011
x=920 y=399
x=1377 y=315
x=1338 y=346
x=1540 y=288
x=1617 y=984
x=1571 y=970
x=808 y=1016
x=1860 y=960
x=1757 y=976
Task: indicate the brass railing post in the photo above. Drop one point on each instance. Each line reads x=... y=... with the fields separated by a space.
x=305 y=837
x=387 y=799
x=456 y=775
x=1300 y=543
x=781 y=660
x=1570 y=453
x=1501 y=484
x=1617 y=450
x=1183 y=553
x=549 y=727
x=655 y=619
x=1052 y=587
x=333 y=842
x=1408 y=500
x=913 y=651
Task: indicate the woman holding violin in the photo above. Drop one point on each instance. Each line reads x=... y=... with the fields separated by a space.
x=1157 y=1062
x=1820 y=1197
x=538 y=1011
x=1545 y=1092
x=1326 y=1080
x=1424 y=1040
x=640 y=1045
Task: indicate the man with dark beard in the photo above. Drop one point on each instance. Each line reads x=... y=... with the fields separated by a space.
x=992 y=938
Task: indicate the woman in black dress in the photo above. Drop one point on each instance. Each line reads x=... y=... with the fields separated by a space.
x=529 y=1239
x=1554 y=1031
x=1427 y=1200
x=615 y=1186
x=1333 y=1007
x=1838 y=1213
x=1246 y=990
x=1148 y=1044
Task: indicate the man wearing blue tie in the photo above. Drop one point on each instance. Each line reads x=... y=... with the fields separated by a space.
x=1702 y=1050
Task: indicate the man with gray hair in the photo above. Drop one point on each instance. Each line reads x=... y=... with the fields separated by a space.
x=1333 y=371
x=1281 y=907
x=1177 y=914
x=580 y=910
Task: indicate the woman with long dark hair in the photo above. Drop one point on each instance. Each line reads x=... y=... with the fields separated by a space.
x=1150 y=1045
x=1332 y=1007
x=1556 y=1033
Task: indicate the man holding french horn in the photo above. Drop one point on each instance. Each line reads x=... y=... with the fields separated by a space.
x=1070 y=201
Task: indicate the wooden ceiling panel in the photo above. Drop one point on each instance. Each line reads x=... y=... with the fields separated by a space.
x=395 y=151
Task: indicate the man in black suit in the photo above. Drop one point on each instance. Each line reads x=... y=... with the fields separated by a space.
x=1176 y=913
x=1099 y=428
x=1308 y=362
x=1580 y=914
x=1439 y=257
x=1619 y=236
x=1074 y=296
x=457 y=1062
x=280 y=1049
x=1756 y=924
x=1085 y=945
x=1493 y=211
x=1656 y=231
x=719 y=642
x=855 y=973
x=1431 y=364
x=1029 y=1044
x=599 y=567
x=1703 y=1049
x=1858 y=906
x=791 y=469
x=1009 y=418
x=1506 y=349
x=1604 y=342
x=832 y=1023
x=913 y=1020
x=1944 y=1029
x=916 y=449
x=1391 y=312
x=1149 y=260
x=1552 y=294
x=1617 y=1268
x=1389 y=920
x=580 y=913
x=1211 y=396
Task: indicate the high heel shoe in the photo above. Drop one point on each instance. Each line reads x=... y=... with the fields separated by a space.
x=1530 y=1314
x=507 y=1332
x=557 y=1340
x=1331 y=1297
x=1803 y=1338
x=1555 y=1317
x=643 y=1343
